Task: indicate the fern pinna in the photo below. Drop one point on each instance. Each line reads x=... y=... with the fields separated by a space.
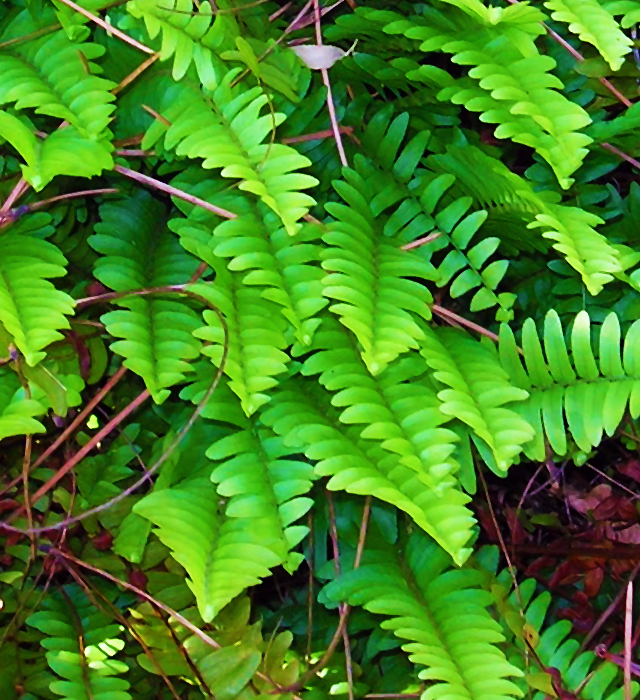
x=270 y=318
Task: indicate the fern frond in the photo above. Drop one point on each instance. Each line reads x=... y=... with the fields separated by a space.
x=525 y=615
x=441 y=613
x=256 y=338
x=64 y=152
x=307 y=420
x=514 y=87
x=569 y=391
x=255 y=530
x=49 y=75
x=477 y=389
x=157 y=334
x=17 y=412
x=629 y=9
x=225 y=128
x=190 y=34
x=285 y=268
x=81 y=643
x=32 y=310
x=592 y=23
x=368 y=275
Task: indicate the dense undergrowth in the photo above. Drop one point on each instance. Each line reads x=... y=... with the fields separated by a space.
x=310 y=354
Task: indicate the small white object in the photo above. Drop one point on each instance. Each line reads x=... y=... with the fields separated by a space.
x=320 y=57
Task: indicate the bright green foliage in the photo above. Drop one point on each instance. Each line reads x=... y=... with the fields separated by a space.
x=368 y=274
x=591 y=396
x=140 y=253
x=451 y=290
x=227 y=130
x=592 y=23
x=427 y=603
x=80 y=643
x=32 y=310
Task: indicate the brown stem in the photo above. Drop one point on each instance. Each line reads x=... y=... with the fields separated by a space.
x=108 y=27
x=449 y=315
x=422 y=241
x=174 y=192
x=135 y=73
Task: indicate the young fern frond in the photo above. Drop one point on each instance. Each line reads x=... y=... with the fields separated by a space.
x=514 y=87
x=50 y=76
x=139 y=251
x=32 y=310
x=441 y=615
x=225 y=127
x=368 y=276
x=476 y=389
x=256 y=338
x=80 y=642
x=594 y=24
x=569 y=391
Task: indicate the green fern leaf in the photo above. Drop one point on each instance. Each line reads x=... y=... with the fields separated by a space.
x=81 y=644
x=139 y=252
x=368 y=274
x=477 y=389
x=17 y=412
x=592 y=23
x=31 y=309
x=441 y=613
x=225 y=128
x=590 y=395
x=256 y=338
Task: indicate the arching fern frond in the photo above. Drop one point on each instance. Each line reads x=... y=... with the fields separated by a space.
x=139 y=252
x=50 y=76
x=17 y=412
x=476 y=391
x=236 y=544
x=514 y=87
x=32 y=310
x=402 y=417
x=569 y=390
x=592 y=23
x=440 y=614
x=369 y=276
x=256 y=338
x=225 y=128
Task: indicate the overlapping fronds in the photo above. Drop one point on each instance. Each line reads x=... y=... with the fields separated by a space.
x=256 y=338
x=410 y=200
x=285 y=268
x=477 y=389
x=569 y=390
x=592 y=23
x=369 y=276
x=510 y=83
x=425 y=602
x=253 y=532
x=139 y=252
x=404 y=452
x=56 y=77
x=32 y=310
x=226 y=128
x=80 y=642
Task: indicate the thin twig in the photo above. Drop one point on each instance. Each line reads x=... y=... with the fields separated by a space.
x=449 y=315
x=174 y=192
x=422 y=241
x=622 y=154
x=135 y=73
x=29 y=37
x=108 y=27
